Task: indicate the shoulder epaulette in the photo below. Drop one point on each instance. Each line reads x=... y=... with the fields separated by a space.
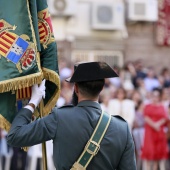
x=119 y=117
x=69 y=105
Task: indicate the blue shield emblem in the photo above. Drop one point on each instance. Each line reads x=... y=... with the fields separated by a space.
x=17 y=50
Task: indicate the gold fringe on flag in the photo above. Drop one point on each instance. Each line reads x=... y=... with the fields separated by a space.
x=53 y=77
x=4 y=124
x=21 y=82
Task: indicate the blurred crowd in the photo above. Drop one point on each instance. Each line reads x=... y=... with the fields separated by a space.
x=140 y=95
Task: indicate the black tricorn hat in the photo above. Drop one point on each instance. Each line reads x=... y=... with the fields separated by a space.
x=90 y=71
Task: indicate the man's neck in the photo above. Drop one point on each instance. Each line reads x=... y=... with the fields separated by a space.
x=80 y=99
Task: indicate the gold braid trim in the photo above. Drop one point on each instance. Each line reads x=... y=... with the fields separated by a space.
x=54 y=78
x=21 y=82
x=4 y=124
x=31 y=24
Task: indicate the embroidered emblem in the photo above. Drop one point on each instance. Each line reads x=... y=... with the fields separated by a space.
x=16 y=48
x=45 y=28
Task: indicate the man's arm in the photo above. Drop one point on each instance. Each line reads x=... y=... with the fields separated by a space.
x=23 y=133
x=128 y=160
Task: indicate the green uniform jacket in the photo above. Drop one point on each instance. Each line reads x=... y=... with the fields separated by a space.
x=70 y=128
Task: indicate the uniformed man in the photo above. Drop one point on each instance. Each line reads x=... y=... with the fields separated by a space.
x=70 y=127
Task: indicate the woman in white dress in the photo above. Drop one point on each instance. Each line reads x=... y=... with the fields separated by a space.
x=123 y=107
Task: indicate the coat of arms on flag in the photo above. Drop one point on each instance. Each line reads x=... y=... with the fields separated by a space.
x=45 y=28
x=28 y=53
x=16 y=48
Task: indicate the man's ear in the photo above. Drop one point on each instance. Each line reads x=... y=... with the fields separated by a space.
x=76 y=88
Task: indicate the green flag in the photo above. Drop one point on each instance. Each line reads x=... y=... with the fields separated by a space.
x=28 y=53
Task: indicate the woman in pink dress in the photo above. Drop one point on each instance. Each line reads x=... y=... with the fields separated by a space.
x=155 y=148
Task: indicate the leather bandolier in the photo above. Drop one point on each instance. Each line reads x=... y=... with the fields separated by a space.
x=93 y=145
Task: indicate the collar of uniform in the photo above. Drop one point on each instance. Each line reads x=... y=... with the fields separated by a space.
x=89 y=104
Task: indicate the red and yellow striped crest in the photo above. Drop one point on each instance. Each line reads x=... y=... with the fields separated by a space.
x=6 y=41
x=45 y=28
x=42 y=31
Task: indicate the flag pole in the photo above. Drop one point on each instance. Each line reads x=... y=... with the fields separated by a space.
x=44 y=153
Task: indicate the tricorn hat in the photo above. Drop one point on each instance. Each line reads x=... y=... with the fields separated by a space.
x=90 y=71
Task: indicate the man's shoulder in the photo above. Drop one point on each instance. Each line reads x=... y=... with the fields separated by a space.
x=118 y=127
x=62 y=108
x=118 y=119
x=66 y=106
x=119 y=123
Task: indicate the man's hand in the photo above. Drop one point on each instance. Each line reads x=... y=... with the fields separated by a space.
x=37 y=93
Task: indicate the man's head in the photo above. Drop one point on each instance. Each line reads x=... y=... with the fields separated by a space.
x=91 y=88
x=89 y=80
x=88 y=90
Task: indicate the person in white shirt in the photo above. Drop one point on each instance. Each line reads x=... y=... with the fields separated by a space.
x=123 y=107
x=105 y=98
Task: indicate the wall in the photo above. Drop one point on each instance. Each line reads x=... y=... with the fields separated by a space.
x=141 y=44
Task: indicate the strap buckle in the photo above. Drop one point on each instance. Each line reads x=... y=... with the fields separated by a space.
x=92 y=144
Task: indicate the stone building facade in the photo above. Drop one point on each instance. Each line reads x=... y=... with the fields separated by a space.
x=78 y=41
x=141 y=43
